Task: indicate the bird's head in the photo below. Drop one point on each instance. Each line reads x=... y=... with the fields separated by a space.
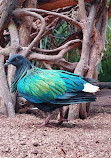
x=17 y=60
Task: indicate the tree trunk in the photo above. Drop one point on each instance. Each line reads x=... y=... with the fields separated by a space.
x=26 y=24
x=7 y=103
x=91 y=54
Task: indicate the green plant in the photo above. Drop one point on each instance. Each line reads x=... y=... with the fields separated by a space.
x=105 y=68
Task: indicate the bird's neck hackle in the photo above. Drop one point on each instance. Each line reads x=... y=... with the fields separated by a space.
x=20 y=73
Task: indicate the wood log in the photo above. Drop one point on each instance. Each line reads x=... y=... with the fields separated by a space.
x=55 y=4
x=103 y=85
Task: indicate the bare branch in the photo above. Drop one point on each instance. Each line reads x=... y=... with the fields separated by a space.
x=5 y=94
x=14 y=41
x=100 y=9
x=66 y=65
x=24 y=12
x=104 y=27
x=5 y=51
x=42 y=57
x=26 y=24
x=14 y=38
x=61 y=63
x=7 y=8
x=48 y=66
x=70 y=20
x=82 y=11
x=75 y=43
x=14 y=48
x=82 y=66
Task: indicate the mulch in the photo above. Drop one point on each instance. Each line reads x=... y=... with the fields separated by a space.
x=90 y=138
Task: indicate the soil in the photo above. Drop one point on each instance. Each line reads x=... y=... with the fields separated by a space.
x=90 y=138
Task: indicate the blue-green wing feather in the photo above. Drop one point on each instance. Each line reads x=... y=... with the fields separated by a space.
x=40 y=86
x=73 y=82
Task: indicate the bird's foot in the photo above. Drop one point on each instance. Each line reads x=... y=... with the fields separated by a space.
x=61 y=121
x=46 y=122
x=44 y=125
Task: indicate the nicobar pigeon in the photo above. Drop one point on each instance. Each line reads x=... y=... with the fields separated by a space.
x=50 y=89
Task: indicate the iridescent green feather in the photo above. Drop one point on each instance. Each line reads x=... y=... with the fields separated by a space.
x=42 y=86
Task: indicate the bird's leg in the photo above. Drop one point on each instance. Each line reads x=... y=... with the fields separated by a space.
x=46 y=122
x=47 y=119
x=61 y=120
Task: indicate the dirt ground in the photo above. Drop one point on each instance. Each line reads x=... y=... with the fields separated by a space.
x=89 y=138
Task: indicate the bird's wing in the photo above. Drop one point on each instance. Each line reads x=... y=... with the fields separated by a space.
x=73 y=82
x=46 y=85
x=41 y=86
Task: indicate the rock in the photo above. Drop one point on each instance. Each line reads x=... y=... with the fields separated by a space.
x=35 y=152
x=35 y=144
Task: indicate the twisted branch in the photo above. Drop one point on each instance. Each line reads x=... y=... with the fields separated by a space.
x=7 y=9
x=24 y=12
x=76 y=43
x=70 y=20
x=42 y=57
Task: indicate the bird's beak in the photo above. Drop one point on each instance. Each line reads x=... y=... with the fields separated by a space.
x=7 y=63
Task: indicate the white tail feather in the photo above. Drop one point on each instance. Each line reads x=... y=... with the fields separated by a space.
x=90 y=88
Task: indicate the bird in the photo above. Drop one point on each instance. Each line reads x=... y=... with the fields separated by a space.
x=50 y=89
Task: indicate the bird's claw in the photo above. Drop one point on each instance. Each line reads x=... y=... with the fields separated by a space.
x=61 y=121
